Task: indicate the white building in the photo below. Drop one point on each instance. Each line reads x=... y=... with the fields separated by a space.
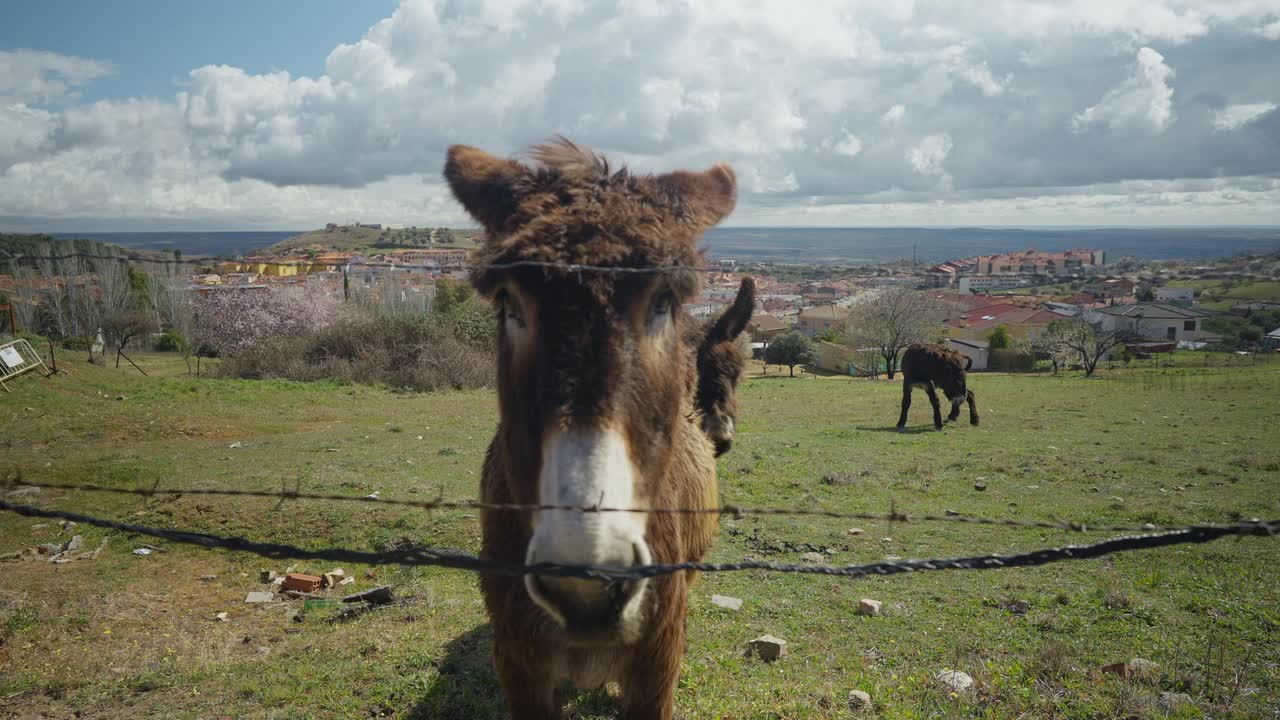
x=1185 y=297
x=1153 y=321
x=976 y=350
x=978 y=284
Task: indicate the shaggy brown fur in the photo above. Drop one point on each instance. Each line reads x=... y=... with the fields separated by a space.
x=580 y=353
x=932 y=367
x=721 y=360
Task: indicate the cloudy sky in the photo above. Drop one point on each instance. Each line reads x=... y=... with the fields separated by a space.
x=245 y=115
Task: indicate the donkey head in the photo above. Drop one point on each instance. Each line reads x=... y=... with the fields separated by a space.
x=594 y=372
x=721 y=360
x=952 y=378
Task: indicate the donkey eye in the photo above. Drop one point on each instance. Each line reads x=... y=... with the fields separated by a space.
x=663 y=304
x=510 y=310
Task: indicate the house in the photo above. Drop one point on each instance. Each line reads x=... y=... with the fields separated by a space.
x=705 y=308
x=1022 y=323
x=973 y=284
x=834 y=358
x=814 y=320
x=975 y=350
x=1186 y=297
x=1111 y=289
x=1153 y=321
x=1271 y=341
x=1033 y=262
x=1061 y=307
x=764 y=327
x=436 y=257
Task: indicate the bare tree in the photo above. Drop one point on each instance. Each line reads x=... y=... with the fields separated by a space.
x=1088 y=342
x=889 y=320
x=169 y=296
x=25 y=292
x=57 y=302
x=1053 y=342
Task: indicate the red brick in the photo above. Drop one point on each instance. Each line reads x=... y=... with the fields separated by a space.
x=301 y=582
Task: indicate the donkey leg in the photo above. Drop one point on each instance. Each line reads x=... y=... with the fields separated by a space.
x=906 y=405
x=973 y=407
x=530 y=694
x=937 y=407
x=648 y=692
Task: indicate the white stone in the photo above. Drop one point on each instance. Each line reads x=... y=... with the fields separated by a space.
x=856 y=531
x=726 y=602
x=870 y=607
x=259 y=597
x=859 y=700
x=954 y=680
x=813 y=557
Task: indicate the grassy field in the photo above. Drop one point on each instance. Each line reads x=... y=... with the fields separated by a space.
x=129 y=636
x=347 y=238
x=1216 y=295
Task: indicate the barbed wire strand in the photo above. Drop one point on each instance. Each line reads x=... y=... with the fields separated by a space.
x=462 y=561
x=390 y=266
x=730 y=510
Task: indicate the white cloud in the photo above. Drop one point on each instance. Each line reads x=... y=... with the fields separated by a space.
x=28 y=76
x=929 y=155
x=937 y=103
x=1143 y=100
x=894 y=116
x=1271 y=30
x=847 y=145
x=1234 y=116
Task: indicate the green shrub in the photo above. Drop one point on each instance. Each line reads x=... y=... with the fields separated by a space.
x=37 y=341
x=170 y=341
x=79 y=343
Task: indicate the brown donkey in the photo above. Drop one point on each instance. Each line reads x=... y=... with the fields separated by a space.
x=601 y=402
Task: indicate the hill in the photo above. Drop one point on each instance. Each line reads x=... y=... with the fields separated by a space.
x=37 y=245
x=127 y=636
x=355 y=238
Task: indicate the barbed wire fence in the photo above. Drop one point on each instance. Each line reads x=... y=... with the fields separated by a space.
x=1151 y=537
x=1139 y=537
x=390 y=266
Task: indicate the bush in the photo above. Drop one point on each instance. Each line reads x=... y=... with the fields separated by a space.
x=170 y=341
x=37 y=341
x=415 y=352
x=998 y=338
x=78 y=343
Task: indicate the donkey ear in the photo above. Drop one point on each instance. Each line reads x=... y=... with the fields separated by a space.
x=707 y=196
x=488 y=187
x=968 y=362
x=734 y=320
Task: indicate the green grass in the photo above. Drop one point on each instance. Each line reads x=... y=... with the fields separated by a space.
x=352 y=239
x=1216 y=295
x=128 y=636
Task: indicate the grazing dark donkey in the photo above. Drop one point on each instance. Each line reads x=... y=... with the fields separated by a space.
x=932 y=367
x=609 y=395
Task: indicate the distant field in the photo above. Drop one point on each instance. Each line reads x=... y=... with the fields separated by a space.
x=127 y=636
x=1216 y=295
x=350 y=239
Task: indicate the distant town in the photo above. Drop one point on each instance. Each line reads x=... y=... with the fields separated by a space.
x=1168 y=303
